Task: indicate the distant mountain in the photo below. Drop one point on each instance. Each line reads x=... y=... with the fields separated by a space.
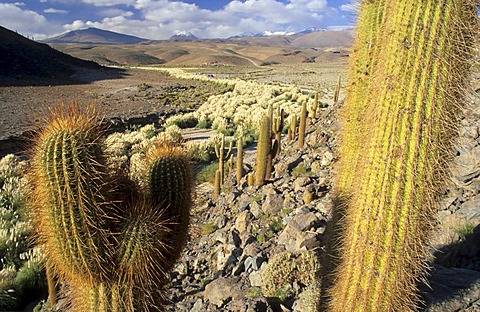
x=95 y=36
x=324 y=39
x=243 y=35
x=310 y=30
x=268 y=33
x=183 y=36
x=21 y=57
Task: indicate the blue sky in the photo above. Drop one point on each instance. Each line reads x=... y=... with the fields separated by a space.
x=160 y=19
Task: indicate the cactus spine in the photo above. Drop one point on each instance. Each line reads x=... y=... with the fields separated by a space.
x=303 y=125
x=222 y=154
x=109 y=241
x=399 y=128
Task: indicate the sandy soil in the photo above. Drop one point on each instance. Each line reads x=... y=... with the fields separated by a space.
x=116 y=93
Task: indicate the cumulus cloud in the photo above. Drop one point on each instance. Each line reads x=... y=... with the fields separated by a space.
x=351 y=7
x=26 y=22
x=55 y=11
x=100 y=3
x=110 y=12
x=77 y=24
x=160 y=19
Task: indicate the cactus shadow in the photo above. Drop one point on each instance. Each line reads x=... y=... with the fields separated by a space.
x=455 y=270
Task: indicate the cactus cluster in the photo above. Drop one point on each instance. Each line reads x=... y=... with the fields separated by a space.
x=405 y=84
x=267 y=149
x=109 y=240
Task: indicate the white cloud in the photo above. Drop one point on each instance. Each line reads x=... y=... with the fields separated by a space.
x=100 y=3
x=25 y=22
x=77 y=24
x=55 y=11
x=352 y=7
x=19 y=3
x=160 y=19
x=110 y=12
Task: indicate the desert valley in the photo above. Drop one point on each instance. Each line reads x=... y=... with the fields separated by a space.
x=251 y=246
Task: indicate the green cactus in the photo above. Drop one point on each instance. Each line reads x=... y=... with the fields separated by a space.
x=264 y=147
x=239 y=164
x=312 y=111
x=395 y=144
x=169 y=191
x=336 y=92
x=222 y=154
x=303 y=125
x=277 y=127
x=111 y=243
x=250 y=179
x=292 y=130
x=70 y=181
x=217 y=185
x=269 y=161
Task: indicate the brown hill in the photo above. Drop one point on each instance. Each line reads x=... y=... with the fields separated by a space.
x=95 y=36
x=244 y=51
x=110 y=55
x=21 y=57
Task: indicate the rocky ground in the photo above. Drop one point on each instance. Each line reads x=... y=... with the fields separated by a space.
x=125 y=97
x=258 y=248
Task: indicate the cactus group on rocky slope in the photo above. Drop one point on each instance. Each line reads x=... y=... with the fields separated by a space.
x=109 y=240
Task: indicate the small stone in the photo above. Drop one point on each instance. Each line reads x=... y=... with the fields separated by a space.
x=255 y=209
x=304 y=221
x=242 y=223
x=220 y=221
x=198 y=306
x=299 y=183
x=243 y=201
x=255 y=279
x=327 y=159
x=273 y=202
x=220 y=290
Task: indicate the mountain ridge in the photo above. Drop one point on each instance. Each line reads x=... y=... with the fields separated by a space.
x=94 y=35
x=22 y=57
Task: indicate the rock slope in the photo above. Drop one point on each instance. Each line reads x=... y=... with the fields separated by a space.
x=259 y=248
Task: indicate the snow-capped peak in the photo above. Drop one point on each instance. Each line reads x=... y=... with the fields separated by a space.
x=268 y=33
x=183 y=35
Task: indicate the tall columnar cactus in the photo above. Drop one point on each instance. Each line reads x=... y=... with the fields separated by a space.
x=239 y=164
x=170 y=179
x=336 y=92
x=410 y=64
x=277 y=127
x=269 y=164
x=217 y=185
x=312 y=111
x=264 y=147
x=292 y=130
x=222 y=155
x=109 y=241
x=70 y=178
x=303 y=125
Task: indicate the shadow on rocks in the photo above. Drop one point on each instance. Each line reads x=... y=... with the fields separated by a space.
x=454 y=281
